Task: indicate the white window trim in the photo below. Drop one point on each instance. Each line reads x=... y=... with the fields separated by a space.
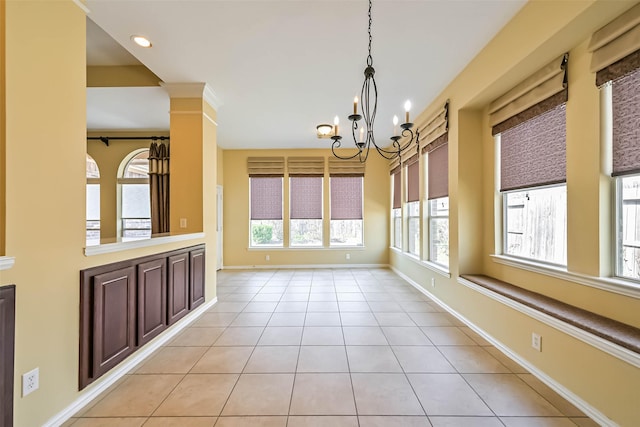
x=420 y=228
x=503 y=239
x=428 y=218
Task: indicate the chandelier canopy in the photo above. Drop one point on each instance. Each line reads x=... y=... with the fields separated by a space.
x=362 y=124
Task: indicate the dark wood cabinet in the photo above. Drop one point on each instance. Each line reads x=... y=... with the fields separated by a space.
x=178 y=287
x=126 y=304
x=114 y=318
x=7 y=348
x=152 y=299
x=196 y=279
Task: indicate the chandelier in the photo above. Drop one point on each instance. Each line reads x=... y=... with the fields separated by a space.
x=362 y=132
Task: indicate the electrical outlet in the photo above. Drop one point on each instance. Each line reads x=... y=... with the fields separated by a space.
x=183 y=222
x=30 y=381
x=536 y=341
x=348 y=256
x=433 y=282
x=267 y=258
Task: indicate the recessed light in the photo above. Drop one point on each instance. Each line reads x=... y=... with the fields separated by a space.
x=141 y=41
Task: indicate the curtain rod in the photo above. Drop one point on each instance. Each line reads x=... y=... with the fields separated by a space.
x=106 y=139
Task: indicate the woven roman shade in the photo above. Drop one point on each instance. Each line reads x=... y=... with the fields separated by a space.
x=305 y=166
x=339 y=167
x=413 y=179
x=266 y=197
x=397 y=189
x=346 y=197
x=615 y=47
x=534 y=153
x=306 y=197
x=438 y=172
x=542 y=91
x=265 y=166
x=435 y=129
x=626 y=124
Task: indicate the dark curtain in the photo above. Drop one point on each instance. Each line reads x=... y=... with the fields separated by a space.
x=159 y=187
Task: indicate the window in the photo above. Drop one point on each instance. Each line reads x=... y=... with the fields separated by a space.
x=439 y=231
x=529 y=125
x=135 y=204
x=397 y=227
x=346 y=228
x=413 y=205
x=305 y=210
x=413 y=227
x=266 y=211
x=93 y=203
x=625 y=94
x=535 y=204
x=438 y=200
x=628 y=216
x=396 y=208
x=535 y=224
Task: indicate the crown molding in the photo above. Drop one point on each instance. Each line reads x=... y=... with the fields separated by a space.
x=82 y=6
x=193 y=90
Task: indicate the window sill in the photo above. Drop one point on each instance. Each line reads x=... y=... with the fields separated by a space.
x=436 y=268
x=6 y=262
x=307 y=248
x=137 y=244
x=615 y=285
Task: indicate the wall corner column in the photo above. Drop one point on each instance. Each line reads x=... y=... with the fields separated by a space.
x=193 y=166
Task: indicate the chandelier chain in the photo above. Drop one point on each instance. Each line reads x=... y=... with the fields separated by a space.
x=370 y=58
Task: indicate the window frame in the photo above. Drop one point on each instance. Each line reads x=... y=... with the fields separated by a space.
x=123 y=181
x=280 y=221
x=334 y=221
x=505 y=222
x=618 y=235
x=92 y=180
x=293 y=221
x=431 y=232
x=416 y=218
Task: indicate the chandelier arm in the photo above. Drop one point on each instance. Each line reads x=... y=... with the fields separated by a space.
x=336 y=144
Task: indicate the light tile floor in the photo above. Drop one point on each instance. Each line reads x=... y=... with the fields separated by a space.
x=335 y=348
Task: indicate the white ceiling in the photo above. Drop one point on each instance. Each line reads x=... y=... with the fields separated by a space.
x=282 y=67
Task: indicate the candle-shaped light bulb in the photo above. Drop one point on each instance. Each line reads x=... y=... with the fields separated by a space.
x=407 y=108
x=362 y=134
x=336 y=121
x=355 y=105
x=395 y=125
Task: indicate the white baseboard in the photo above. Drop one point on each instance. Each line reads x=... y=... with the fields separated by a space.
x=577 y=401
x=301 y=266
x=119 y=371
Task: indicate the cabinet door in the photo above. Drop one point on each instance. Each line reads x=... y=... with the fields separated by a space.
x=7 y=343
x=178 y=287
x=114 y=320
x=196 y=282
x=152 y=299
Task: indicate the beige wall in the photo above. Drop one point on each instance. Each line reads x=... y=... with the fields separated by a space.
x=236 y=216
x=45 y=197
x=539 y=33
x=45 y=152
x=2 y=125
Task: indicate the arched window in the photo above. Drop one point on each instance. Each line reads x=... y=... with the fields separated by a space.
x=93 y=202
x=135 y=205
